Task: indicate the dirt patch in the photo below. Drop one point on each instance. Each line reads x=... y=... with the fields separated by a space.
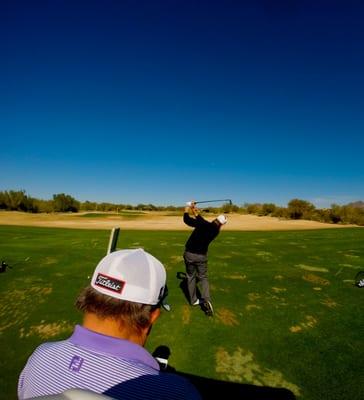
x=240 y=366
x=155 y=220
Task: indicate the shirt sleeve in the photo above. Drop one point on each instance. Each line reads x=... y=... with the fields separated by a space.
x=189 y=220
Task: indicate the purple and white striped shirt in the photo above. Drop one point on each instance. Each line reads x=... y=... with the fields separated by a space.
x=103 y=364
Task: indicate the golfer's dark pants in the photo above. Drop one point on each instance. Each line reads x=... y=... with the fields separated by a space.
x=196 y=269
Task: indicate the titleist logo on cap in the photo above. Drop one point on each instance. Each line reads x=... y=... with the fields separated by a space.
x=109 y=283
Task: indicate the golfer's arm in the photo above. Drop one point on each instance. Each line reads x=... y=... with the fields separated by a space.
x=188 y=220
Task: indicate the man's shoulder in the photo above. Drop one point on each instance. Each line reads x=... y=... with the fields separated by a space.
x=202 y=220
x=178 y=384
x=50 y=348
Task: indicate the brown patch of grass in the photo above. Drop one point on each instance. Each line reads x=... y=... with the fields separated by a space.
x=250 y=307
x=316 y=279
x=278 y=290
x=310 y=268
x=236 y=277
x=50 y=260
x=253 y=296
x=227 y=317
x=295 y=329
x=308 y=323
x=186 y=315
x=240 y=366
x=176 y=259
x=46 y=331
x=278 y=277
x=17 y=304
x=329 y=303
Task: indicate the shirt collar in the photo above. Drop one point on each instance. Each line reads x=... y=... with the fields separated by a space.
x=116 y=347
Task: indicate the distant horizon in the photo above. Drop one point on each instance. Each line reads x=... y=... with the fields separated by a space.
x=182 y=203
x=160 y=102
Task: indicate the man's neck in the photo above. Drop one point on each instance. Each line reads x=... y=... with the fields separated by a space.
x=111 y=327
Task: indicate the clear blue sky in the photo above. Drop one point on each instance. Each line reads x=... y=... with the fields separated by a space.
x=164 y=101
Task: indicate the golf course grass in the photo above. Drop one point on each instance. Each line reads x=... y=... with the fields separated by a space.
x=287 y=314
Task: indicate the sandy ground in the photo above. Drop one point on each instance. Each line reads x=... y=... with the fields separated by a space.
x=155 y=221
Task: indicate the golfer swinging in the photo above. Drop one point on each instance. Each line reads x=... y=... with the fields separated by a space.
x=195 y=254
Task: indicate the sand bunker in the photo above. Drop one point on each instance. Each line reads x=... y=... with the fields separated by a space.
x=155 y=221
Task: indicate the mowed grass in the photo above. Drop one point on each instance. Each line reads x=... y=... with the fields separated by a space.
x=286 y=311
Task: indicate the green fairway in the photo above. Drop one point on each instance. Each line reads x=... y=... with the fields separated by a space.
x=287 y=314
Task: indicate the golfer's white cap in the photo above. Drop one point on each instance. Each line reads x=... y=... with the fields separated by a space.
x=222 y=219
x=132 y=275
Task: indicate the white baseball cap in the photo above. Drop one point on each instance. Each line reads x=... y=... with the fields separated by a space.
x=222 y=219
x=132 y=275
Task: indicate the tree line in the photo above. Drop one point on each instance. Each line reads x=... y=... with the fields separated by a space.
x=352 y=213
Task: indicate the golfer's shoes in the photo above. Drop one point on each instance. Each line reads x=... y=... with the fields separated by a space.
x=196 y=303
x=207 y=307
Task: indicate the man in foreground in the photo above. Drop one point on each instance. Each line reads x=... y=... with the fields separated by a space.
x=195 y=254
x=106 y=354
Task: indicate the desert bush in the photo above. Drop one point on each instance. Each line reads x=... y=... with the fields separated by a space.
x=65 y=203
x=280 y=212
x=253 y=208
x=298 y=209
x=268 y=208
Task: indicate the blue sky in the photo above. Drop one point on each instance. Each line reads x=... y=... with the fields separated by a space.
x=166 y=101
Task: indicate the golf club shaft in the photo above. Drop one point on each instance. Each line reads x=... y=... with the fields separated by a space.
x=213 y=201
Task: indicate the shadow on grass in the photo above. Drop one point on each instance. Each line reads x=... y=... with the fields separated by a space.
x=208 y=388
x=183 y=286
x=213 y=388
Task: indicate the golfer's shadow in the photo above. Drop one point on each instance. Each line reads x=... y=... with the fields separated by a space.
x=208 y=388
x=183 y=285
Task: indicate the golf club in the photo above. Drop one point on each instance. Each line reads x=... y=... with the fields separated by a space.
x=214 y=201
x=113 y=240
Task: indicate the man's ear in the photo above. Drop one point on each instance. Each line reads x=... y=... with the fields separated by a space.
x=154 y=315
